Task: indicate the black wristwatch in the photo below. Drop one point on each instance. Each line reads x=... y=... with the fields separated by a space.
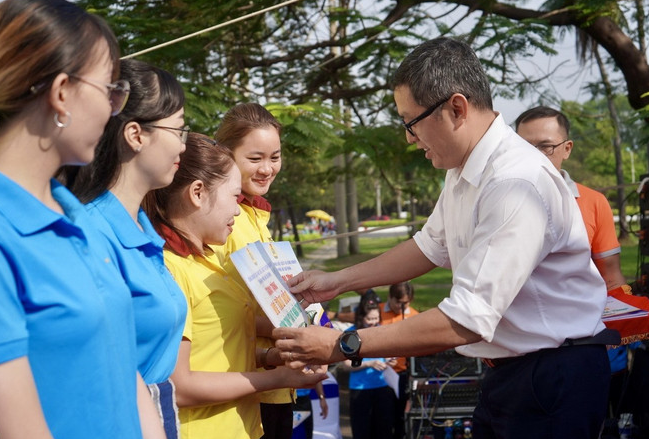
x=349 y=344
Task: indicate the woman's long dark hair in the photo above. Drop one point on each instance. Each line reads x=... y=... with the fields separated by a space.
x=155 y=94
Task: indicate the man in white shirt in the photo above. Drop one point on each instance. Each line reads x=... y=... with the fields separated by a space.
x=526 y=296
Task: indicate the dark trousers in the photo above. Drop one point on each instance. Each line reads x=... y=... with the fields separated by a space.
x=400 y=406
x=277 y=420
x=371 y=413
x=303 y=404
x=551 y=394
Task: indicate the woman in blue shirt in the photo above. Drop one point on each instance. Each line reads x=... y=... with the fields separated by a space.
x=140 y=151
x=67 y=338
x=371 y=400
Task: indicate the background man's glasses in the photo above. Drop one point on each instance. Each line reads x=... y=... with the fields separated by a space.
x=117 y=92
x=549 y=149
x=184 y=131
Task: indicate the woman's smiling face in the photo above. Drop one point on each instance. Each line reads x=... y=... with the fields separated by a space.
x=259 y=158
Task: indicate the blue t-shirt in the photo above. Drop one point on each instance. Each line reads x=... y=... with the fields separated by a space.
x=368 y=377
x=159 y=304
x=66 y=308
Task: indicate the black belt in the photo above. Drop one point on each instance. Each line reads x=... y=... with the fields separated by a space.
x=605 y=337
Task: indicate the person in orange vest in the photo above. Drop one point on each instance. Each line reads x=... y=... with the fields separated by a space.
x=398 y=308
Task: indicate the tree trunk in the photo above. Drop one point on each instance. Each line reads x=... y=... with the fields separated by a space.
x=352 y=205
x=296 y=232
x=278 y=233
x=377 y=196
x=617 y=146
x=340 y=191
x=341 y=204
x=412 y=208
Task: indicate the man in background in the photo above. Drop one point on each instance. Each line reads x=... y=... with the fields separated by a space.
x=398 y=308
x=549 y=131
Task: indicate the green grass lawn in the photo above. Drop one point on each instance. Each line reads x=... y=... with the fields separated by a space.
x=432 y=287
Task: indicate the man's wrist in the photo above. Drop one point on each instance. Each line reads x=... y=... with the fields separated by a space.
x=349 y=344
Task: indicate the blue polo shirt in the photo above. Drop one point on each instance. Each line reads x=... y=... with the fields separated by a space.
x=66 y=308
x=366 y=378
x=159 y=304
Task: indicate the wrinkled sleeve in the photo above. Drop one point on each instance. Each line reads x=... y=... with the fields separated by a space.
x=13 y=323
x=181 y=278
x=431 y=238
x=605 y=241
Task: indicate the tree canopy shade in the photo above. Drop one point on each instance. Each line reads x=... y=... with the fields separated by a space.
x=316 y=55
x=286 y=55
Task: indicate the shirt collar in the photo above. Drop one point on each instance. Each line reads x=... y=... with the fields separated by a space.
x=479 y=157
x=386 y=308
x=27 y=214
x=126 y=230
x=174 y=242
x=257 y=202
x=571 y=184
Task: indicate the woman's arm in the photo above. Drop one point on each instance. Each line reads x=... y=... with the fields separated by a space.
x=324 y=407
x=21 y=415
x=194 y=388
x=149 y=418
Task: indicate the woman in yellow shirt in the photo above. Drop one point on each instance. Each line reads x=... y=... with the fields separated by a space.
x=252 y=134
x=215 y=375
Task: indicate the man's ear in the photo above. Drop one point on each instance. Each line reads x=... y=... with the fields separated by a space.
x=134 y=136
x=460 y=106
x=567 y=149
x=197 y=193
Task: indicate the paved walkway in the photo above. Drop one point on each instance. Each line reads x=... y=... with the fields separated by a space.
x=315 y=259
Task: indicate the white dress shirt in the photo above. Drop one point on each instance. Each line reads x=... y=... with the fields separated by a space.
x=509 y=228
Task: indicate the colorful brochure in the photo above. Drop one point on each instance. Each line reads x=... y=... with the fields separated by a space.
x=264 y=269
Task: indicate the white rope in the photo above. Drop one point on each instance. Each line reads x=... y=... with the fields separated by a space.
x=209 y=29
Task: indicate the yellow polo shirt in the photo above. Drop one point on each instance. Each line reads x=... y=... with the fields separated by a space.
x=221 y=327
x=250 y=226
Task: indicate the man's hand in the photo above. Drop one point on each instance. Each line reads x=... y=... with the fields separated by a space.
x=314 y=286
x=311 y=345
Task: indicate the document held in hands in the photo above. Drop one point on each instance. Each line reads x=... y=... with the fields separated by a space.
x=617 y=310
x=265 y=267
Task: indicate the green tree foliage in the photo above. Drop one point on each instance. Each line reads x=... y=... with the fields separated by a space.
x=383 y=155
x=592 y=161
x=287 y=56
x=308 y=131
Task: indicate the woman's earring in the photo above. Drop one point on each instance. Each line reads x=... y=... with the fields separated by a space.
x=59 y=124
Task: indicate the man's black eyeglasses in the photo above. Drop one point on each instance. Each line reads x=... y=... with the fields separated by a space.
x=549 y=149
x=408 y=126
x=183 y=131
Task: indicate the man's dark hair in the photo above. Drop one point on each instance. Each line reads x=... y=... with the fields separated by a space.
x=542 y=112
x=438 y=68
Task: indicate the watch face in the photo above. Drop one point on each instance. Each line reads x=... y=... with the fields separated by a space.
x=350 y=343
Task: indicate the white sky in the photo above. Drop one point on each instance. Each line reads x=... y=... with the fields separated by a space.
x=567 y=82
x=568 y=76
